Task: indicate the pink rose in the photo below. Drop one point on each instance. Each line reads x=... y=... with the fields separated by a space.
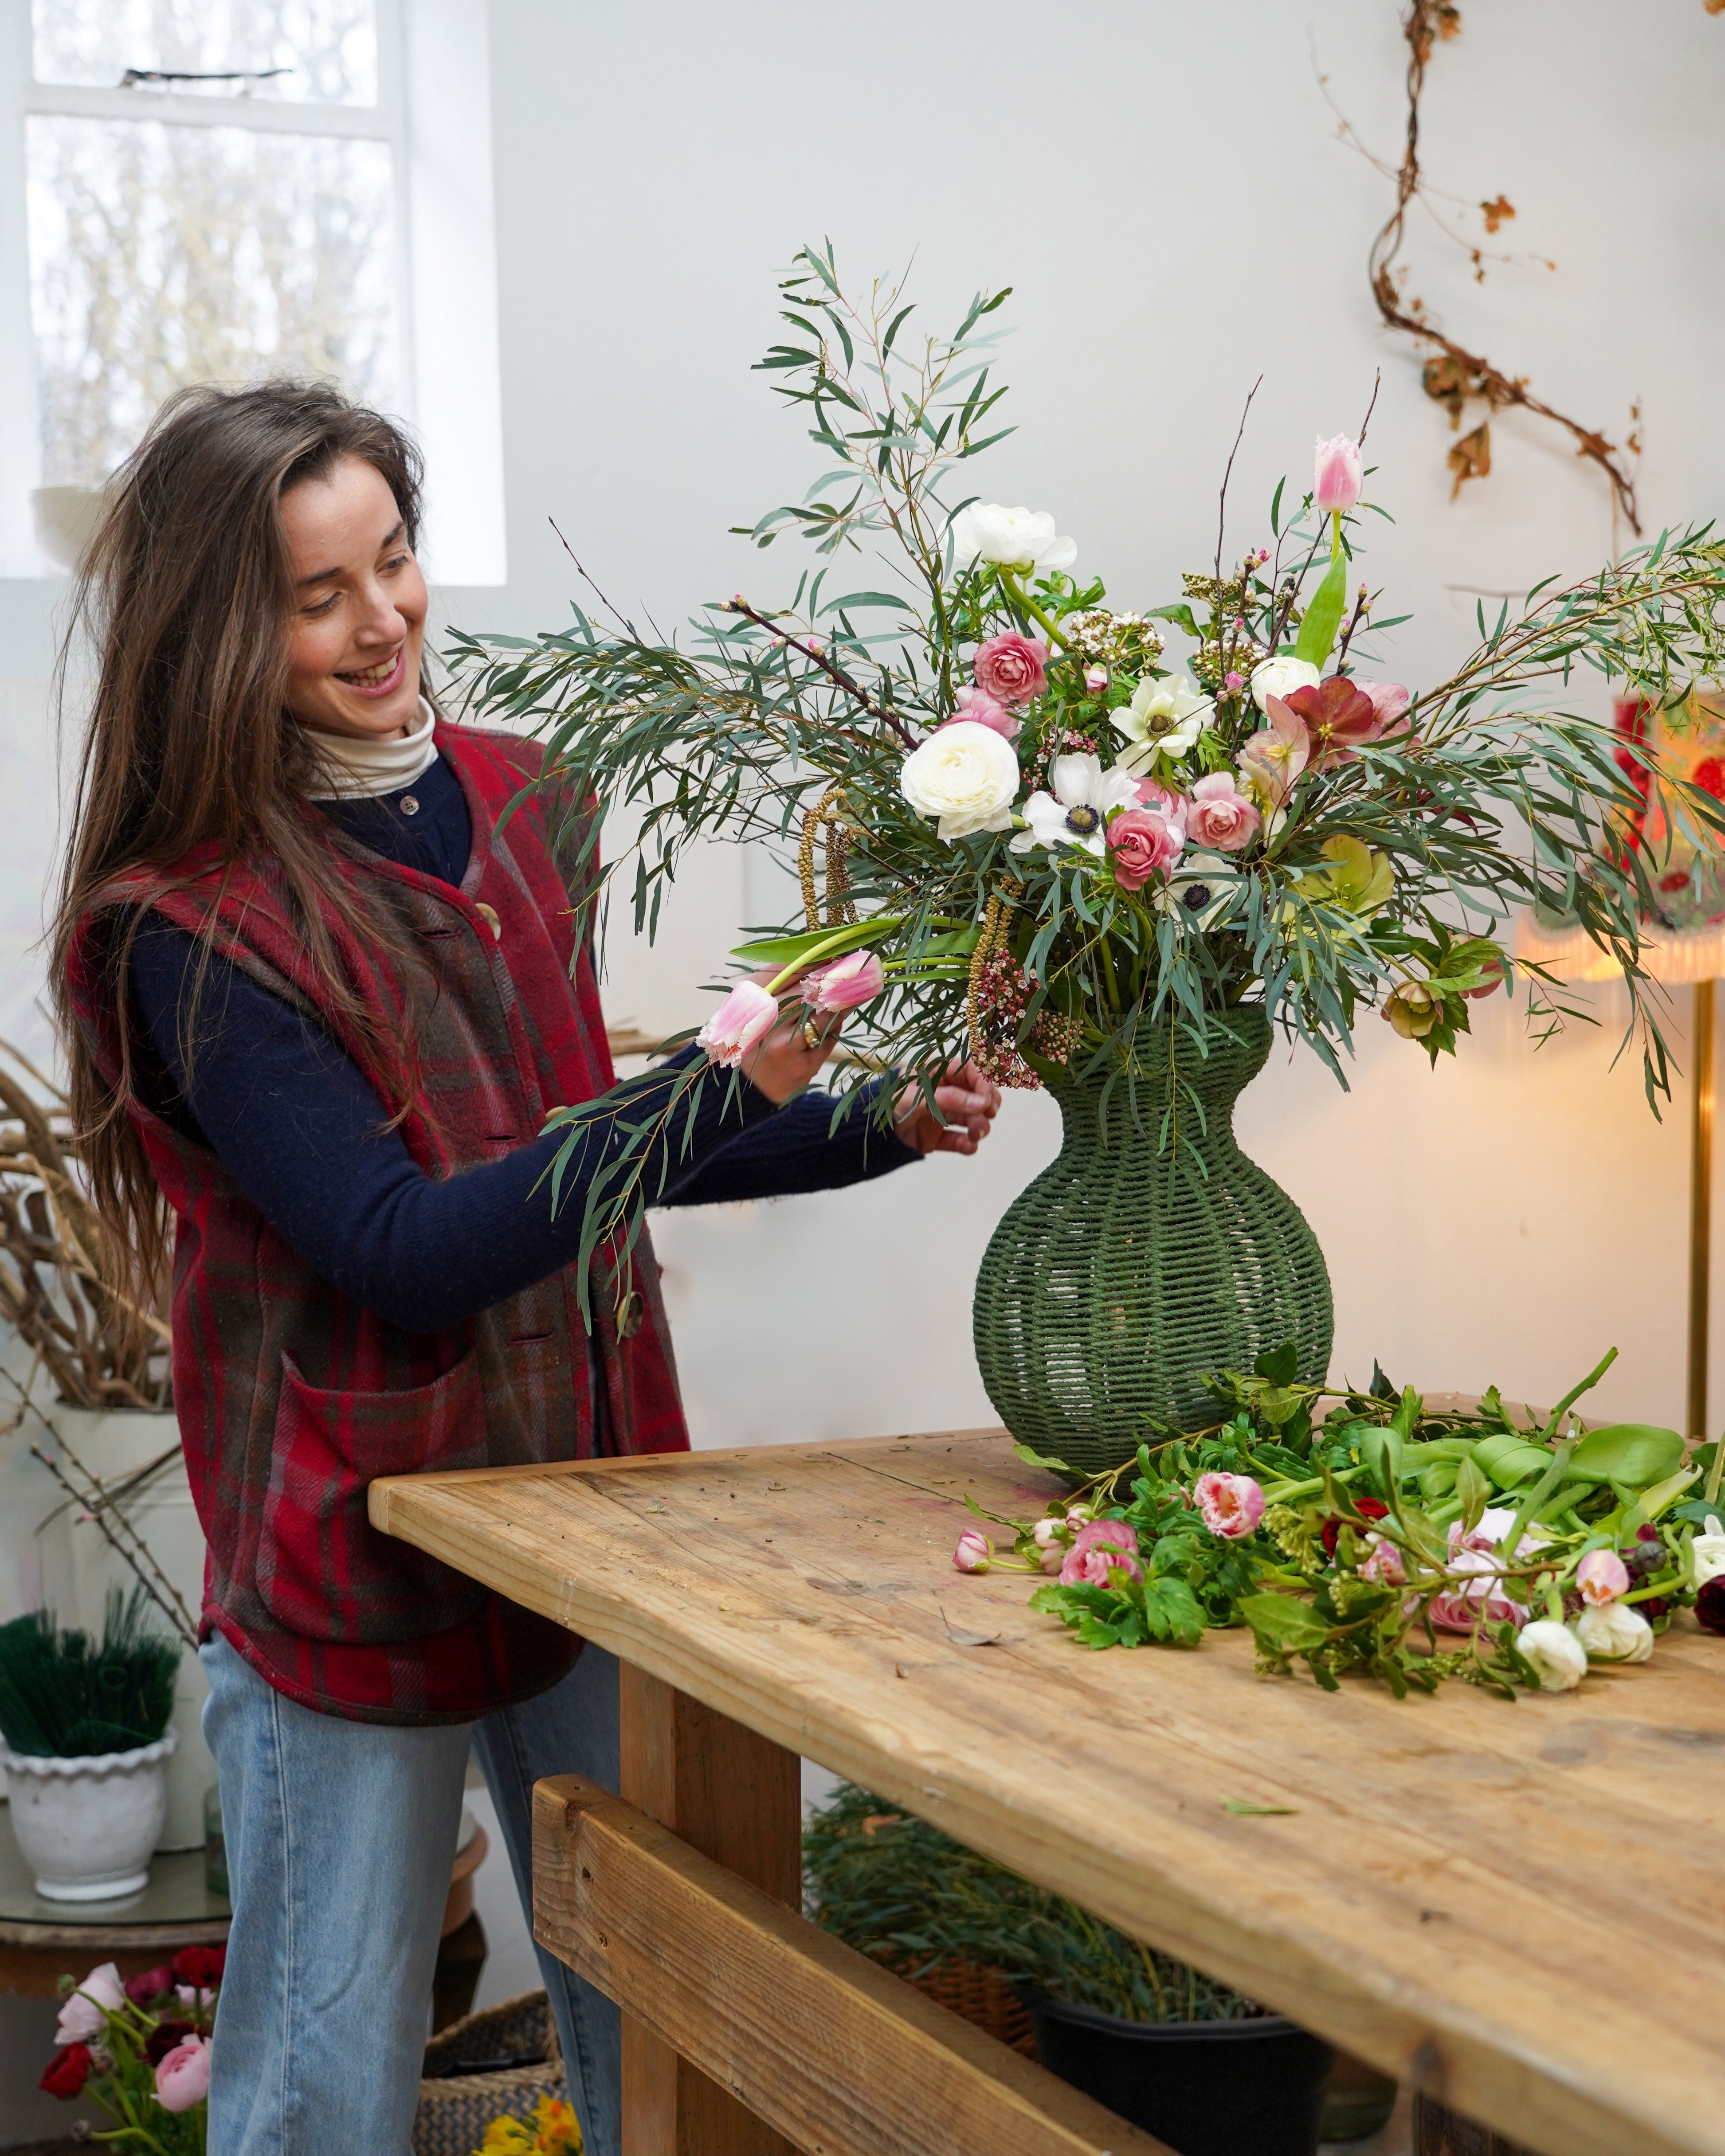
x=982 y=709
x=82 y=2020
x=747 y=1014
x=1219 y=814
x=182 y=2077
x=1601 y=1576
x=845 y=984
x=973 y=1552
x=1144 y=841
x=1010 y=667
x=1232 y=1505
x=1338 y=473
x=1099 y=1546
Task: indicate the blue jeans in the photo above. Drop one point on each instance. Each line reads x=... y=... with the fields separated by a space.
x=340 y=1837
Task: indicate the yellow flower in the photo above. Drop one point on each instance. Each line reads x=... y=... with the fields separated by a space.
x=559 y=2130
x=506 y=2136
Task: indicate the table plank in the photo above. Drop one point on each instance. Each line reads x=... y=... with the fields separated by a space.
x=1519 y=1906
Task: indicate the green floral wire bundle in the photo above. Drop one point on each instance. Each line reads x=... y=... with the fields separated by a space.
x=1023 y=832
x=1350 y=1540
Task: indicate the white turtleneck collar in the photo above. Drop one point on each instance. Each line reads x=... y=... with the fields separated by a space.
x=351 y=768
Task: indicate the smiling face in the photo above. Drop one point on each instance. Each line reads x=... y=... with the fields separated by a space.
x=358 y=619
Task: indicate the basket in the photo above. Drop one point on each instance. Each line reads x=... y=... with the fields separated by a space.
x=981 y=1996
x=455 y=2107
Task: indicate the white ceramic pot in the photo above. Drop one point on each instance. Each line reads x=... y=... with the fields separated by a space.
x=88 y=1827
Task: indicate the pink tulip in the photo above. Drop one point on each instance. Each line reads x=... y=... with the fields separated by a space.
x=1099 y=1547
x=982 y=709
x=973 y=1552
x=747 y=1014
x=1232 y=1505
x=1338 y=473
x=182 y=2077
x=1601 y=1576
x=1011 y=668
x=82 y=2020
x=846 y=984
x=1219 y=816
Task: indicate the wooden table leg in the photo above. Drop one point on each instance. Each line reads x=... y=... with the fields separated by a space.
x=737 y=1798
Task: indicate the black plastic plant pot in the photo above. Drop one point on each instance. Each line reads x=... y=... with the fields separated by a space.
x=1207 y=2088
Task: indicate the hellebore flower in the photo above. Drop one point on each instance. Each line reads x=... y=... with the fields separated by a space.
x=1413 y=1010
x=1613 y=1632
x=965 y=775
x=1101 y=1547
x=845 y=984
x=1232 y=1505
x=747 y=1014
x=1010 y=667
x=1338 y=473
x=1272 y=761
x=973 y=1552
x=1145 y=841
x=1339 y=718
x=1164 y=718
x=1016 y=538
x=1076 y=811
x=182 y=2078
x=1558 y=1658
x=1355 y=878
x=1389 y=701
x=1274 y=677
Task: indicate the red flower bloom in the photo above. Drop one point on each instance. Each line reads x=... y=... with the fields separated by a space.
x=1339 y=719
x=1710 y=1606
x=163 y=2039
x=200 y=1965
x=1369 y=1508
x=67 y=2071
x=142 y=1989
x=1709 y=774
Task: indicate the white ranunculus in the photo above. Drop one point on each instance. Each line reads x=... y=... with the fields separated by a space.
x=1164 y=718
x=1558 y=1658
x=1076 y=813
x=965 y=774
x=1709 y=1548
x=1611 y=1632
x=1274 y=677
x=1017 y=538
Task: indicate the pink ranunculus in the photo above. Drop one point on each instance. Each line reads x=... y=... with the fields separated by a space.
x=81 y=2018
x=973 y=1552
x=1232 y=1505
x=1095 y=680
x=747 y=1014
x=1384 y=1564
x=1011 y=668
x=846 y=983
x=1099 y=1546
x=1144 y=842
x=1219 y=816
x=182 y=2077
x=1338 y=473
x=1601 y=1576
x=982 y=709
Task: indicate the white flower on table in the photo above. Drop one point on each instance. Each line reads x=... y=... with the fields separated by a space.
x=1016 y=538
x=1164 y=718
x=1709 y=1549
x=1076 y=813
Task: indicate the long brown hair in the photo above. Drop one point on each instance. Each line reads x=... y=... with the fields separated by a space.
x=184 y=599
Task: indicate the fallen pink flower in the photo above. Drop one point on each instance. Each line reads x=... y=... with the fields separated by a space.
x=1099 y=1547
x=182 y=2077
x=973 y=1552
x=1219 y=816
x=747 y=1014
x=845 y=984
x=1232 y=1505
x=1601 y=1576
x=1011 y=668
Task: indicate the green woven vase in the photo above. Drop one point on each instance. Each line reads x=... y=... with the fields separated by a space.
x=1117 y=1280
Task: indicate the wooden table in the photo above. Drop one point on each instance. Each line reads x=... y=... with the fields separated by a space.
x=1522 y=1907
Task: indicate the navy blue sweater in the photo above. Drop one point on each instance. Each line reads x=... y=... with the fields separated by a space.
x=297 y=1125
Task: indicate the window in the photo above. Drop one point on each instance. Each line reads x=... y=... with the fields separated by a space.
x=217 y=190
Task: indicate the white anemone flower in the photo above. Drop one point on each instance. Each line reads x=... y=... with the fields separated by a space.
x=1164 y=718
x=1076 y=812
x=1016 y=538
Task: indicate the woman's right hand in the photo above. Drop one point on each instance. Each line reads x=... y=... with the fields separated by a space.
x=789 y=1058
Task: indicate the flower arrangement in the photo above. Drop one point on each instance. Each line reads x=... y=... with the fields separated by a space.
x=1024 y=831
x=554 y=2131
x=1349 y=1536
x=140 y=2048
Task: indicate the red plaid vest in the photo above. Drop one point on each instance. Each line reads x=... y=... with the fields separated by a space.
x=290 y=1396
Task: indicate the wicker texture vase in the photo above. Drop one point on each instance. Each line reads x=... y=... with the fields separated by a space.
x=1123 y=1274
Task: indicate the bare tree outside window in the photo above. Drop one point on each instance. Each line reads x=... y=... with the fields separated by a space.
x=329 y=47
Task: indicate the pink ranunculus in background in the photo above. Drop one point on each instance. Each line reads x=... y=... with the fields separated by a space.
x=973 y=1552
x=1099 y=1546
x=1384 y=1564
x=1273 y=759
x=1232 y=1505
x=1601 y=1576
x=81 y=2020
x=182 y=2077
x=1219 y=816
x=1389 y=701
x=1095 y=680
x=1148 y=841
x=1050 y=1537
x=747 y=1014
x=1338 y=475
x=846 y=983
x=1011 y=668
x=982 y=709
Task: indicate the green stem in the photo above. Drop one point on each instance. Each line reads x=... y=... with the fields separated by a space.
x=1021 y=598
x=813 y=955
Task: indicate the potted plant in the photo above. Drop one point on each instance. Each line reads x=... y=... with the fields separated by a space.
x=87 y=1746
x=1206 y=2070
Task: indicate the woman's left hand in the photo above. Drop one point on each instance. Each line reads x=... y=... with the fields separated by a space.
x=966 y=1099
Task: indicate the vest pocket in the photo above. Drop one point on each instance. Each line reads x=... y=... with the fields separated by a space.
x=324 y=1572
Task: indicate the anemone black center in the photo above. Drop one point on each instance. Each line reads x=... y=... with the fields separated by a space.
x=1084 y=819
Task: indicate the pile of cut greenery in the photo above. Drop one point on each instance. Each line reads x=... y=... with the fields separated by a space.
x=910 y=1897
x=62 y=1696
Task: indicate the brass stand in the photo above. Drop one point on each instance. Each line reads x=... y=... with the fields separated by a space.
x=1700 y=1204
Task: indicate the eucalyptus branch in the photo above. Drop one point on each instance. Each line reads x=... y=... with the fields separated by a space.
x=814 y=652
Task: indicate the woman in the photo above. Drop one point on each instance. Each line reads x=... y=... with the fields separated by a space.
x=317 y=1006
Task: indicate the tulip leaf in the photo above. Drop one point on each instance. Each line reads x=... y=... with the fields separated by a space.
x=1510 y=1460
x=786 y=950
x=1474 y=1493
x=1636 y=1453
x=1323 y=616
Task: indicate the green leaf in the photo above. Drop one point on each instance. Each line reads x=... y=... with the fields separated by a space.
x=1508 y=1460
x=1474 y=1490
x=1283 y=1626
x=786 y=950
x=1323 y=617
x=1237 y=1805
x=1279 y=1366
x=1633 y=1452
x=1171 y=1612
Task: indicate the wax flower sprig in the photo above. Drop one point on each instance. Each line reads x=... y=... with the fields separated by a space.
x=1350 y=1530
